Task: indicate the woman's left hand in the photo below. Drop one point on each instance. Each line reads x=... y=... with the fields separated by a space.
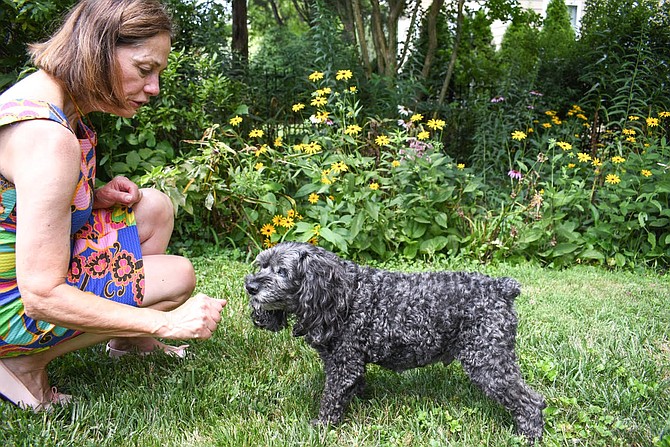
x=119 y=191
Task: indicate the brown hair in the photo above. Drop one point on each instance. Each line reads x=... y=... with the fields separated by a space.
x=82 y=52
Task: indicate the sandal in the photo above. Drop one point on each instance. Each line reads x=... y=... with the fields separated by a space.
x=19 y=395
x=174 y=351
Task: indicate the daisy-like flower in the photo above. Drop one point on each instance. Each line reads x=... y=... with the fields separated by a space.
x=631 y=139
x=436 y=124
x=550 y=113
x=519 y=135
x=278 y=142
x=313 y=198
x=416 y=117
x=236 y=120
x=546 y=125
x=612 y=179
x=343 y=75
x=287 y=222
x=259 y=166
x=395 y=163
x=298 y=107
x=423 y=135
x=268 y=230
x=664 y=114
x=339 y=166
x=261 y=150
x=353 y=89
x=374 y=186
x=382 y=140
x=628 y=131
x=563 y=145
x=515 y=174
x=633 y=118
x=322 y=116
x=312 y=148
x=276 y=220
x=319 y=101
x=646 y=173
x=617 y=159
x=460 y=166
x=290 y=213
x=596 y=162
x=255 y=133
x=652 y=122
x=352 y=129
x=316 y=76
x=583 y=157
x=571 y=165
x=316 y=230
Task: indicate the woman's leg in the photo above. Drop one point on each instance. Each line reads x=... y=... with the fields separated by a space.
x=169 y=280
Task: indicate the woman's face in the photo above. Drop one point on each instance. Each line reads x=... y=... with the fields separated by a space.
x=141 y=66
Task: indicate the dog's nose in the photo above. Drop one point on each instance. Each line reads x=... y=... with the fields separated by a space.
x=252 y=288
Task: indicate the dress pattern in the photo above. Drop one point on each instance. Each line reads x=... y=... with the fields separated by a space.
x=105 y=257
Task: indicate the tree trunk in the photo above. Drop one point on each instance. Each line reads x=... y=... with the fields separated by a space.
x=433 y=14
x=410 y=31
x=240 y=44
x=454 y=53
x=360 y=34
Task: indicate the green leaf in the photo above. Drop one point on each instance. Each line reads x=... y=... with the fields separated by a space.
x=563 y=249
x=334 y=239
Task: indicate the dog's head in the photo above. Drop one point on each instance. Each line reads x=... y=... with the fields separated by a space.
x=299 y=279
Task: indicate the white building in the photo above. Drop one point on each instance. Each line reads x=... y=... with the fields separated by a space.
x=575 y=9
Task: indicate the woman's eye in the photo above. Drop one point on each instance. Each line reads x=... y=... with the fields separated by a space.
x=144 y=71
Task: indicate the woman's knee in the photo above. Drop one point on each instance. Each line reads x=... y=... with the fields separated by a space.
x=155 y=206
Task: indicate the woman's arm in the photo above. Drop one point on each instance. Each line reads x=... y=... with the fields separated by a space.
x=45 y=172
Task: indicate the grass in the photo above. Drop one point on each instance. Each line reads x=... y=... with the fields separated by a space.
x=595 y=343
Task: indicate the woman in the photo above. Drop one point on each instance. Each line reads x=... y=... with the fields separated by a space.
x=79 y=266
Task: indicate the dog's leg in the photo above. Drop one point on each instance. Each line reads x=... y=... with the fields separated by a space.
x=497 y=373
x=344 y=380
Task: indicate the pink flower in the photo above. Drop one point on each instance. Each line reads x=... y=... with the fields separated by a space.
x=514 y=174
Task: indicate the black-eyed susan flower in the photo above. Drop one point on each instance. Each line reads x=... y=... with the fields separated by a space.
x=268 y=230
x=298 y=107
x=652 y=122
x=236 y=120
x=319 y=101
x=256 y=133
x=584 y=158
x=617 y=159
x=423 y=135
x=563 y=145
x=395 y=163
x=646 y=173
x=519 y=135
x=460 y=166
x=374 y=186
x=313 y=198
x=352 y=130
x=436 y=124
x=612 y=179
x=416 y=117
x=343 y=75
x=315 y=76
x=382 y=140
x=276 y=220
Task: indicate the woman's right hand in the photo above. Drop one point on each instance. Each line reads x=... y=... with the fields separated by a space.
x=197 y=318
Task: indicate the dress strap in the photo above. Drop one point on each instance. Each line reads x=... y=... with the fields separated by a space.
x=29 y=109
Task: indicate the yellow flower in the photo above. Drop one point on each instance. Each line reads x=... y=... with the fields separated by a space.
x=436 y=124
x=596 y=162
x=423 y=135
x=258 y=166
x=322 y=117
x=343 y=75
x=313 y=198
x=664 y=114
x=278 y=142
x=315 y=76
x=460 y=166
x=416 y=117
x=563 y=145
x=395 y=163
x=546 y=125
x=583 y=157
x=320 y=101
x=556 y=121
x=312 y=148
x=339 y=166
x=582 y=116
x=646 y=173
x=631 y=139
x=382 y=140
x=261 y=150
x=652 y=122
x=612 y=179
x=550 y=113
x=352 y=89
x=268 y=230
x=374 y=186
x=617 y=159
x=352 y=129
x=326 y=180
x=276 y=220
x=633 y=118
x=628 y=132
x=571 y=165
x=290 y=213
x=234 y=121
x=317 y=230
x=286 y=222
x=255 y=133
x=298 y=107
x=518 y=135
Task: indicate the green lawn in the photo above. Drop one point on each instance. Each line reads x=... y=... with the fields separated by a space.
x=595 y=343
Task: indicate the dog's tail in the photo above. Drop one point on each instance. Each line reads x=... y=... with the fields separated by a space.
x=509 y=288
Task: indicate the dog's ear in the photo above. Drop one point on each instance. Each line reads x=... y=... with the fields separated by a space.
x=323 y=295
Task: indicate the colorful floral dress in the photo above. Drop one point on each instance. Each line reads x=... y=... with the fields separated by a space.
x=105 y=257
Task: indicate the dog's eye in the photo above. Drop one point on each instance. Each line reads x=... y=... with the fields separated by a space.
x=281 y=271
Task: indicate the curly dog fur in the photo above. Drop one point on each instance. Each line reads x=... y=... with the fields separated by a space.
x=354 y=315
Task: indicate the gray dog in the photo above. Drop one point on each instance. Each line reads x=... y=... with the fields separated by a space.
x=354 y=315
